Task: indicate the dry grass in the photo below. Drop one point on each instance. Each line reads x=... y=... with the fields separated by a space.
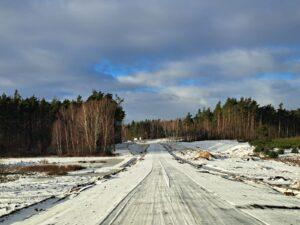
x=2 y=169
x=50 y=169
x=294 y=161
x=203 y=155
x=44 y=161
x=93 y=161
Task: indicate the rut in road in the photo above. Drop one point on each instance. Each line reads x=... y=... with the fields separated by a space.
x=183 y=202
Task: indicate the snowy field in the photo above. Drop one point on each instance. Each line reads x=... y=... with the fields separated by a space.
x=224 y=147
x=231 y=175
x=227 y=159
x=237 y=159
x=19 y=190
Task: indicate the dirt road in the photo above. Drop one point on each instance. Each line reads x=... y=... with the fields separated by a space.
x=168 y=196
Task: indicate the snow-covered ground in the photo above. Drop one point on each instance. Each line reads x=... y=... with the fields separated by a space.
x=225 y=147
x=28 y=189
x=237 y=159
x=90 y=206
x=108 y=195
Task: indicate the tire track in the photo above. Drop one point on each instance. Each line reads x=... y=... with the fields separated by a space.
x=177 y=201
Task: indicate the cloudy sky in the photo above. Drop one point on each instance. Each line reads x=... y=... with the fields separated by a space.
x=165 y=57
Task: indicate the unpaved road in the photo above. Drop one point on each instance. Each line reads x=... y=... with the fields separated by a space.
x=159 y=190
x=168 y=196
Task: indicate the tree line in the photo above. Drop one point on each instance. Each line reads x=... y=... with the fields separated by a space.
x=241 y=119
x=32 y=126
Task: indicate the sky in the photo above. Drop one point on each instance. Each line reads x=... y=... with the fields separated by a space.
x=164 y=57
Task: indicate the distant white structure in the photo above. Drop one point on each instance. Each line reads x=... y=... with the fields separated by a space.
x=140 y=138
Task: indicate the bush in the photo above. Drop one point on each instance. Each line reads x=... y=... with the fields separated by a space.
x=272 y=154
x=295 y=150
x=280 y=151
x=266 y=151
x=50 y=169
x=258 y=149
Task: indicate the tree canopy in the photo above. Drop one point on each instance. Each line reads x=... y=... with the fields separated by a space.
x=27 y=125
x=235 y=119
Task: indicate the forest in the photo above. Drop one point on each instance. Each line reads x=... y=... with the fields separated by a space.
x=242 y=119
x=32 y=126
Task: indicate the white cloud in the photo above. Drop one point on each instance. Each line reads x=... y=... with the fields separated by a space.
x=229 y=64
x=232 y=73
x=49 y=48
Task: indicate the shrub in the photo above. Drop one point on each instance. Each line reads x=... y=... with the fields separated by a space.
x=266 y=151
x=295 y=150
x=258 y=149
x=280 y=151
x=51 y=169
x=272 y=154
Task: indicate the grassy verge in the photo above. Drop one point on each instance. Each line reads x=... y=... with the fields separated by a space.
x=267 y=147
x=281 y=143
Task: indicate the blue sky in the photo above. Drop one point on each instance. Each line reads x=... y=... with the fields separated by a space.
x=105 y=66
x=164 y=57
